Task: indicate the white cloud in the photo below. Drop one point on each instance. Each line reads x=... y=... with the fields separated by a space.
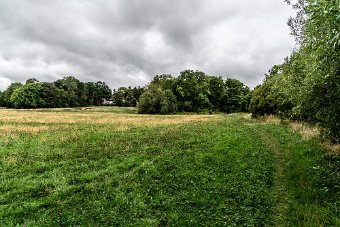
x=4 y=83
x=127 y=42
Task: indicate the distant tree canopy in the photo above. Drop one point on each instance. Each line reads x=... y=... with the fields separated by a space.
x=191 y=91
x=31 y=80
x=29 y=95
x=307 y=85
x=127 y=96
x=194 y=91
x=157 y=100
x=97 y=91
x=6 y=95
x=2 y=101
x=66 y=92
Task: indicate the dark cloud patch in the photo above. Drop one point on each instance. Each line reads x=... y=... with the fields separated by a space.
x=128 y=42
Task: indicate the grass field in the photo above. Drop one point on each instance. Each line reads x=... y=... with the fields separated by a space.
x=111 y=166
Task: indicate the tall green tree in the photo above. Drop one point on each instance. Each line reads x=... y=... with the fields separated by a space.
x=28 y=96
x=166 y=81
x=192 y=91
x=2 y=101
x=53 y=96
x=236 y=96
x=31 y=80
x=217 y=90
x=307 y=85
x=8 y=93
x=156 y=100
x=96 y=92
x=195 y=92
x=76 y=91
x=127 y=96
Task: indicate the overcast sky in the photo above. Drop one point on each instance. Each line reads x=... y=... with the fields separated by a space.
x=127 y=42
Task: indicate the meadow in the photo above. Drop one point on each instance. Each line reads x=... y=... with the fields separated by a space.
x=109 y=166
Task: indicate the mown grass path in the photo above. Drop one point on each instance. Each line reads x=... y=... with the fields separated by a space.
x=305 y=189
x=104 y=168
x=279 y=194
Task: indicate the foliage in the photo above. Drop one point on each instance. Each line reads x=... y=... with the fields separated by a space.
x=2 y=101
x=31 y=80
x=96 y=92
x=322 y=43
x=76 y=91
x=28 y=96
x=236 y=97
x=166 y=81
x=306 y=85
x=217 y=90
x=53 y=96
x=194 y=91
x=156 y=100
x=127 y=96
x=191 y=91
x=66 y=92
x=8 y=93
x=261 y=102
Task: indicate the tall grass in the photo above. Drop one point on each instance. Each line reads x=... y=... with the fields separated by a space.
x=107 y=167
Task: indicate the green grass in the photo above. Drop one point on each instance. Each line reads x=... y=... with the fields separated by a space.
x=227 y=170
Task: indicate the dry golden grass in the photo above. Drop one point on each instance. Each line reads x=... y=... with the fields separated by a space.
x=13 y=122
x=306 y=131
x=22 y=128
x=69 y=138
x=333 y=148
x=27 y=117
x=11 y=160
x=271 y=119
x=122 y=128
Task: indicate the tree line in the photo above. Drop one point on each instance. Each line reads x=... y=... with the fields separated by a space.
x=191 y=91
x=127 y=96
x=66 y=92
x=194 y=91
x=306 y=86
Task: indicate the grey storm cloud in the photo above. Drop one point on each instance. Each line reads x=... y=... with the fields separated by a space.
x=127 y=42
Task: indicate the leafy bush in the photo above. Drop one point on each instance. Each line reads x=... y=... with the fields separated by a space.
x=28 y=96
x=156 y=100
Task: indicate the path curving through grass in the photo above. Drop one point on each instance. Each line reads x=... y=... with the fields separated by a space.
x=279 y=194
